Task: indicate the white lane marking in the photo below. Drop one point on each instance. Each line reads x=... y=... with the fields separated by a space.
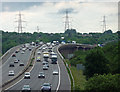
x=19 y=80
x=59 y=75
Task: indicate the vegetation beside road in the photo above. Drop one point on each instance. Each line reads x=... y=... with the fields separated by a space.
x=79 y=78
x=102 y=69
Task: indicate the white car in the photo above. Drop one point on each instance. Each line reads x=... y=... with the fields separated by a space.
x=55 y=72
x=11 y=73
x=16 y=61
x=39 y=53
x=41 y=75
x=27 y=75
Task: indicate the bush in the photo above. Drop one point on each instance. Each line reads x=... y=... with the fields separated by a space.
x=103 y=83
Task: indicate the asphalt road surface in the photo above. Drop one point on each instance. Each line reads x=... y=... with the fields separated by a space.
x=60 y=82
x=5 y=67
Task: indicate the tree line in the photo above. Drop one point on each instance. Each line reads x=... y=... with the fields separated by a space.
x=10 y=39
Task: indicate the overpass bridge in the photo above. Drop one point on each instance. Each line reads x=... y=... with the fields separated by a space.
x=67 y=50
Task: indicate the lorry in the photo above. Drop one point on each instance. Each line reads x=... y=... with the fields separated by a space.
x=54 y=59
x=46 y=56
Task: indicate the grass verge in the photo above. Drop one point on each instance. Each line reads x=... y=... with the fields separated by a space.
x=79 y=78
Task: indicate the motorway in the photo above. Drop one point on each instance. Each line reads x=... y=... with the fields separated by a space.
x=59 y=82
x=9 y=53
x=5 y=67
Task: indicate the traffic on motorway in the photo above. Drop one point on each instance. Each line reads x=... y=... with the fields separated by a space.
x=44 y=76
x=16 y=62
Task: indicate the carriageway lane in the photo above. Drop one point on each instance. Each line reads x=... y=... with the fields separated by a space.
x=65 y=83
x=34 y=82
x=5 y=68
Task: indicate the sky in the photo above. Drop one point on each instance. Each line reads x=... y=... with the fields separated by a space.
x=84 y=15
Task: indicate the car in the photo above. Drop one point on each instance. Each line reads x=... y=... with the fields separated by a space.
x=33 y=46
x=55 y=72
x=50 y=50
x=41 y=75
x=38 y=52
x=21 y=64
x=16 y=61
x=30 y=49
x=14 y=55
x=26 y=88
x=11 y=73
x=38 y=59
x=45 y=67
x=44 y=62
x=46 y=87
x=47 y=64
x=16 y=51
x=22 y=52
x=27 y=75
x=11 y=64
x=40 y=48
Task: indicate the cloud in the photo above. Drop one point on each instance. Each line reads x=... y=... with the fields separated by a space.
x=18 y=6
x=84 y=17
x=69 y=10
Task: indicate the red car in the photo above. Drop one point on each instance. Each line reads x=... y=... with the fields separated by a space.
x=13 y=55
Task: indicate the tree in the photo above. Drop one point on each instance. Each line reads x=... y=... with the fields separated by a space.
x=96 y=63
x=103 y=83
x=108 y=32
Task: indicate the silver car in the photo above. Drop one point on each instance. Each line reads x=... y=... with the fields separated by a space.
x=46 y=87
x=44 y=62
x=41 y=75
x=45 y=67
x=26 y=88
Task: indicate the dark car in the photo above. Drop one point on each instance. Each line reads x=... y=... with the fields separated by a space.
x=30 y=49
x=46 y=87
x=41 y=75
x=16 y=51
x=11 y=65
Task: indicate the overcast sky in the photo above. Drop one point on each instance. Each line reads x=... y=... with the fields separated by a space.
x=84 y=15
